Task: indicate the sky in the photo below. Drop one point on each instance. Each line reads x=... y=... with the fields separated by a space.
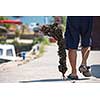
x=33 y=19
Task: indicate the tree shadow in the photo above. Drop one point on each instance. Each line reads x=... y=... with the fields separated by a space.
x=52 y=80
x=95 y=70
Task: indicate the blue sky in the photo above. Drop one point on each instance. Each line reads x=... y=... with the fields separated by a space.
x=34 y=19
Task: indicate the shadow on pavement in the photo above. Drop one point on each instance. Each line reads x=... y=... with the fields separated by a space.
x=95 y=70
x=52 y=80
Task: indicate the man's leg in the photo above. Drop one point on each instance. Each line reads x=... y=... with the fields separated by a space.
x=84 y=69
x=85 y=53
x=72 y=54
x=72 y=36
x=86 y=28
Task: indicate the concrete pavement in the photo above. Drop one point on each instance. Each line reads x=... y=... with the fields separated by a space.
x=45 y=69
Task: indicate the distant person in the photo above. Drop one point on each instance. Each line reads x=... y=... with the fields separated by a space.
x=58 y=20
x=36 y=28
x=78 y=28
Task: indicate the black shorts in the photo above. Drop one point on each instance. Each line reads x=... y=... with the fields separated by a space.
x=78 y=28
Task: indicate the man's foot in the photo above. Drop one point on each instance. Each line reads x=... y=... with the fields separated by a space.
x=85 y=70
x=72 y=77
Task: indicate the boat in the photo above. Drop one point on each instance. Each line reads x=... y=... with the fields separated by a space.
x=7 y=53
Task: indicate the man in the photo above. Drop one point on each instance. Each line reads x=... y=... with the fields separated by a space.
x=78 y=28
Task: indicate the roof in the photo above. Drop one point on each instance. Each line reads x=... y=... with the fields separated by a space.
x=11 y=21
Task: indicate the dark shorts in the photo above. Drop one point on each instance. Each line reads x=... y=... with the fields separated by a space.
x=78 y=28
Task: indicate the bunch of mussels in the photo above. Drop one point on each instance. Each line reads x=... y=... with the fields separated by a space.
x=55 y=30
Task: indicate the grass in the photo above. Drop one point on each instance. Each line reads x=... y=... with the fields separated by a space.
x=44 y=43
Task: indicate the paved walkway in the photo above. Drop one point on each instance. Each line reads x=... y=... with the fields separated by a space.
x=44 y=69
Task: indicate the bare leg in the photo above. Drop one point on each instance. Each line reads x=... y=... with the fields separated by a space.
x=83 y=68
x=85 y=54
x=72 y=54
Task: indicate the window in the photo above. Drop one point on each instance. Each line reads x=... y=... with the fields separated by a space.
x=9 y=52
x=1 y=51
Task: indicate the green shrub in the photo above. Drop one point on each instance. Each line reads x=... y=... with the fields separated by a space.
x=46 y=41
x=5 y=18
x=2 y=42
x=37 y=40
x=43 y=40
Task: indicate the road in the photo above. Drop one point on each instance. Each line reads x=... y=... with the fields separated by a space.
x=44 y=69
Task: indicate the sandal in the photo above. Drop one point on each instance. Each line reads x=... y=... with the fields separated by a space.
x=85 y=70
x=72 y=77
